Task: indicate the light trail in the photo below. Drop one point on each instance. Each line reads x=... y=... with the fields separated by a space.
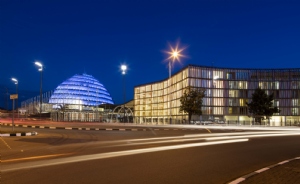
x=36 y=157
x=184 y=138
x=202 y=138
x=58 y=161
x=195 y=135
x=249 y=136
x=239 y=127
x=213 y=139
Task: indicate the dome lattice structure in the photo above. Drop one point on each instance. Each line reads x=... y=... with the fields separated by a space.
x=81 y=90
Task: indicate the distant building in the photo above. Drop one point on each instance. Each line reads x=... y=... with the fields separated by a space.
x=227 y=91
x=77 y=98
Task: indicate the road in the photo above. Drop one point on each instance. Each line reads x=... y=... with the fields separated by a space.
x=152 y=156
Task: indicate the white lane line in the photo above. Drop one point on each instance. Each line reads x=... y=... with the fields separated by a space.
x=262 y=170
x=283 y=162
x=237 y=181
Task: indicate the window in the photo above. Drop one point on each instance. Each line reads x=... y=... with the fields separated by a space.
x=230 y=102
x=295 y=111
x=230 y=110
x=295 y=102
x=229 y=76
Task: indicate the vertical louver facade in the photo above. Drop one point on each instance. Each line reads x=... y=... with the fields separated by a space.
x=227 y=91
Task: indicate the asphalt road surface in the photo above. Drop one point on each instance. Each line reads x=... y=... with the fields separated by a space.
x=152 y=156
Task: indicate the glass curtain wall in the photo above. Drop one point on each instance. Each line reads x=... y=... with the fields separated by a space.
x=227 y=91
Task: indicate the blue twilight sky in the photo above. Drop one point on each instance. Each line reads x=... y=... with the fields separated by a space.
x=96 y=37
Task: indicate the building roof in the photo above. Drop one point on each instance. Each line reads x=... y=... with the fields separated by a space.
x=81 y=90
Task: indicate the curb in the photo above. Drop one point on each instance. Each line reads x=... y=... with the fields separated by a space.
x=19 y=134
x=245 y=177
x=100 y=129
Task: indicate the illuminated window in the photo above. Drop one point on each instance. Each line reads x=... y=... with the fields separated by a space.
x=295 y=111
x=230 y=110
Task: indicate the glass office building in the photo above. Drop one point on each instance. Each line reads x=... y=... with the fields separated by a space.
x=227 y=91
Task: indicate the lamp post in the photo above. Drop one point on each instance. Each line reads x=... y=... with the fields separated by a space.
x=13 y=97
x=41 y=84
x=16 y=83
x=124 y=68
x=174 y=55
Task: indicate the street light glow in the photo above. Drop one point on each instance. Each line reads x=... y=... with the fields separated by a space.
x=123 y=68
x=38 y=64
x=175 y=53
x=15 y=80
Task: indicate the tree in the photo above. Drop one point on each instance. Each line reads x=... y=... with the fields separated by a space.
x=261 y=106
x=191 y=101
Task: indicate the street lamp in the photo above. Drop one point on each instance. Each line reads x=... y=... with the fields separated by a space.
x=16 y=83
x=124 y=68
x=13 y=98
x=41 y=84
x=175 y=54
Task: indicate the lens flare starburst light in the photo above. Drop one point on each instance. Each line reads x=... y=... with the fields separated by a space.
x=175 y=53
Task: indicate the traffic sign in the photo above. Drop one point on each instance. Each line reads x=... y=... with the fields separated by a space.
x=14 y=96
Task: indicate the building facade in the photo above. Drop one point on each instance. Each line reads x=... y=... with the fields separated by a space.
x=227 y=91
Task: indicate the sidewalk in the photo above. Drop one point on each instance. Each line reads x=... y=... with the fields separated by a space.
x=287 y=173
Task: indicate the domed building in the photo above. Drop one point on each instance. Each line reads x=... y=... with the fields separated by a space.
x=78 y=99
x=80 y=90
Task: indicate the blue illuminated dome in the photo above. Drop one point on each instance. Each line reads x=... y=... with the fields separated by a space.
x=81 y=90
